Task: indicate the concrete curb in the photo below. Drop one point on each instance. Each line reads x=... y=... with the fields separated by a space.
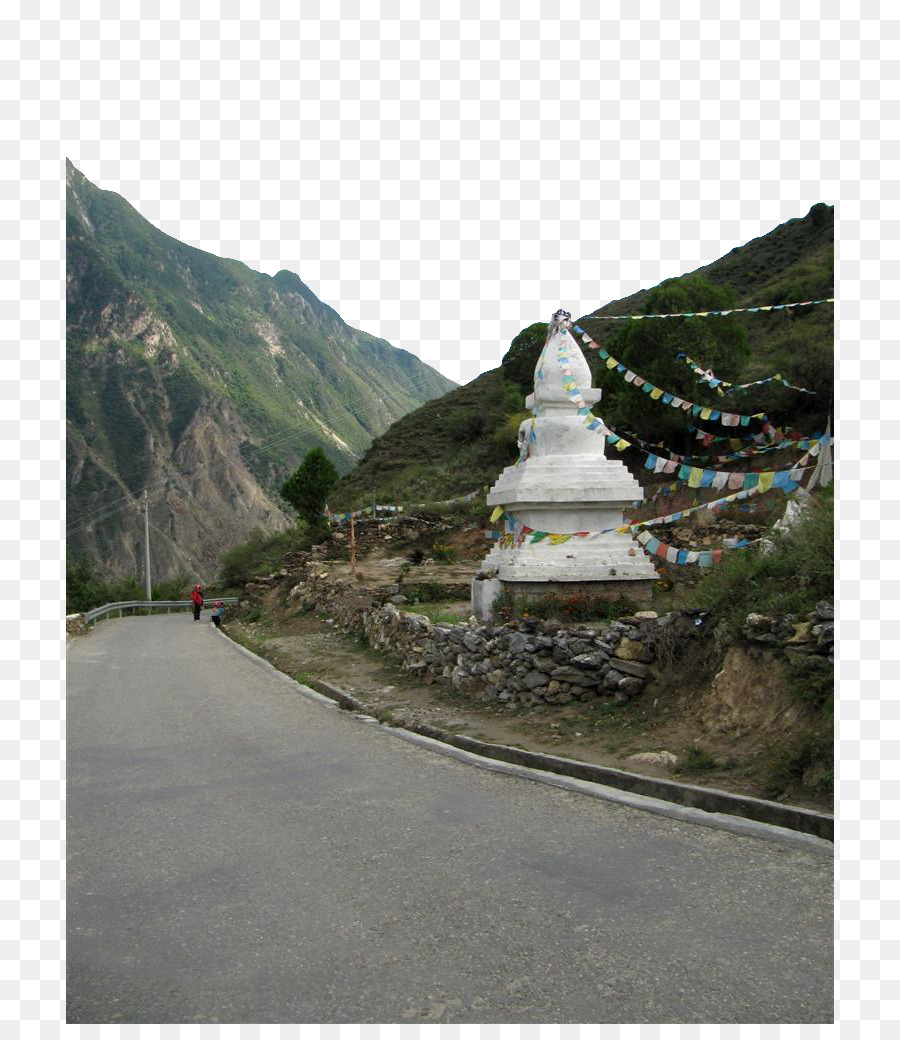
x=688 y=803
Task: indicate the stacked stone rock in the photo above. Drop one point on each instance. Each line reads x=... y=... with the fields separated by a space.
x=528 y=661
x=522 y=662
x=812 y=633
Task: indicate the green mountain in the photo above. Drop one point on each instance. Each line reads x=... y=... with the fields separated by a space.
x=453 y=445
x=205 y=382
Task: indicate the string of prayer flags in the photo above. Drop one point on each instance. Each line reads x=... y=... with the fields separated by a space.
x=651 y=544
x=696 y=477
x=702 y=557
x=664 y=456
x=709 y=314
x=571 y=388
x=702 y=411
x=722 y=386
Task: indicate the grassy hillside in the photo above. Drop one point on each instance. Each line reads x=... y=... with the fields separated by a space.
x=454 y=445
x=446 y=448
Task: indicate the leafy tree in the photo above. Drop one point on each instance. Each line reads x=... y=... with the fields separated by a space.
x=85 y=590
x=651 y=349
x=520 y=360
x=82 y=587
x=306 y=489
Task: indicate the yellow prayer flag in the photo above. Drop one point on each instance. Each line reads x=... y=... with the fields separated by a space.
x=695 y=477
x=497 y=513
x=611 y=362
x=705 y=413
x=621 y=445
x=656 y=394
x=765 y=481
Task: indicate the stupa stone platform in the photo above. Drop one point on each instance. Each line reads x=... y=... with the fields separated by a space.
x=563 y=484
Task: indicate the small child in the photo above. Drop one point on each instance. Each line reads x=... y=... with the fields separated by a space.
x=218 y=613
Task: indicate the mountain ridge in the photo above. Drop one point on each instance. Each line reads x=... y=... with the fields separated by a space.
x=177 y=358
x=794 y=261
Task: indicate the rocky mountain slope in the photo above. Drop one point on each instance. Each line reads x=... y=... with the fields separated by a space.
x=205 y=382
x=460 y=442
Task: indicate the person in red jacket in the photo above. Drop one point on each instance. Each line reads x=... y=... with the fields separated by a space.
x=197 y=597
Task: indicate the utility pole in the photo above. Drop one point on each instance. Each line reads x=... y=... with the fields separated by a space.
x=145 y=510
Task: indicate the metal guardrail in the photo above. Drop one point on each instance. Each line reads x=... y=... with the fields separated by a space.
x=138 y=604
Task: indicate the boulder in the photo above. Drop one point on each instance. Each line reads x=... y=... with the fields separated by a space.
x=593 y=661
x=655 y=758
x=573 y=675
x=531 y=680
x=802 y=632
x=630 y=685
x=824 y=634
x=633 y=668
x=473 y=641
x=632 y=650
x=517 y=642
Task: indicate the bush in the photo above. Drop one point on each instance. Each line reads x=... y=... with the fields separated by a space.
x=85 y=590
x=174 y=588
x=789 y=579
x=811 y=680
x=444 y=553
x=429 y=592
x=805 y=762
x=262 y=554
x=696 y=760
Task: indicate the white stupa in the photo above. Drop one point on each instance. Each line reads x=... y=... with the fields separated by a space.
x=563 y=484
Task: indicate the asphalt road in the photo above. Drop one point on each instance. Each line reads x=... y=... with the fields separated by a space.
x=237 y=853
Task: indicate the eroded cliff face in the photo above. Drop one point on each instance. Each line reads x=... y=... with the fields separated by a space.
x=750 y=696
x=203 y=499
x=206 y=383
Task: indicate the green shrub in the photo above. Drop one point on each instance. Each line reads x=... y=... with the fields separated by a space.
x=696 y=759
x=444 y=553
x=429 y=592
x=85 y=590
x=262 y=554
x=805 y=762
x=811 y=680
x=789 y=579
x=178 y=587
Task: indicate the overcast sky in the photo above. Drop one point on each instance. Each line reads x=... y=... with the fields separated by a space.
x=443 y=178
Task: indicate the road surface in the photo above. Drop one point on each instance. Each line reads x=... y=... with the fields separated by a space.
x=238 y=853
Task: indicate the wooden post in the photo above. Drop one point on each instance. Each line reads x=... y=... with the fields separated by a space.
x=352 y=545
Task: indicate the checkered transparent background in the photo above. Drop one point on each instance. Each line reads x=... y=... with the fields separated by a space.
x=444 y=174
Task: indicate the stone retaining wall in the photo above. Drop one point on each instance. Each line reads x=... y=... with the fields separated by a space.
x=527 y=661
